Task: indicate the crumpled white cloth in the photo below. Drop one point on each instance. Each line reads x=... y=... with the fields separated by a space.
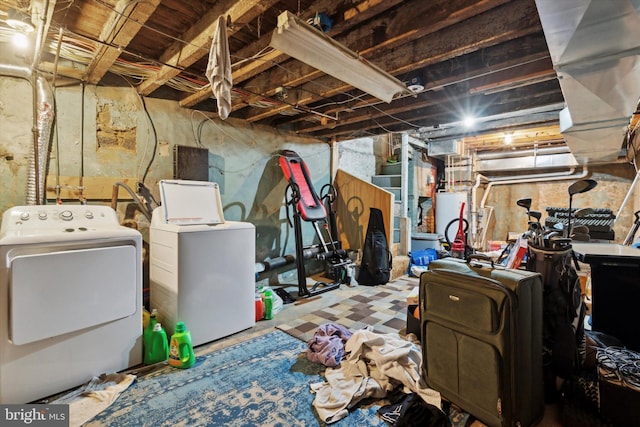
x=94 y=397
x=219 y=68
x=376 y=364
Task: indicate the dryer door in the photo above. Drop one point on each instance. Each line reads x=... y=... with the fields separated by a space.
x=56 y=293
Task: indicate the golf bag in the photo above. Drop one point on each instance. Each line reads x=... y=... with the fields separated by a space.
x=563 y=338
x=375 y=268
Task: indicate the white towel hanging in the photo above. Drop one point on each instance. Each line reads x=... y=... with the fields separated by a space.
x=219 y=69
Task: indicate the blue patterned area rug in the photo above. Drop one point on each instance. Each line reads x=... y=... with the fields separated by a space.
x=263 y=381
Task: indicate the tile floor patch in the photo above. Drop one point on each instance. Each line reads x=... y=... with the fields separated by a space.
x=382 y=307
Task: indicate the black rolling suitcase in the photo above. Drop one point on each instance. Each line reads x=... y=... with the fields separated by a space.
x=482 y=339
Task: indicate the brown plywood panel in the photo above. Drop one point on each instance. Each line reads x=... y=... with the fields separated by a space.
x=95 y=187
x=355 y=197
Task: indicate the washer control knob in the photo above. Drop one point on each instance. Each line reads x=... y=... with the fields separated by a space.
x=66 y=215
x=88 y=215
x=24 y=216
x=42 y=215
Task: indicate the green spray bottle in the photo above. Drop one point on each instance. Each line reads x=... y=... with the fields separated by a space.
x=181 y=350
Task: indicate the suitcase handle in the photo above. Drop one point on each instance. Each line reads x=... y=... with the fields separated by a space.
x=480 y=257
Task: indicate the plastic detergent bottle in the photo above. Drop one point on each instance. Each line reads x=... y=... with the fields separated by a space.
x=259 y=307
x=181 y=350
x=145 y=318
x=157 y=349
x=268 y=304
x=148 y=330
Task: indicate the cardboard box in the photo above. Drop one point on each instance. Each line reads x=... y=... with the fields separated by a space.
x=413 y=324
x=413 y=296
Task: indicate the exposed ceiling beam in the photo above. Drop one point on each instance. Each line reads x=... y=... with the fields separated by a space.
x=198 y=40
x=122 y=26
x=433 y=114
x=468 y=67
x=415 y=20
x=517 y=19
x=350 y=18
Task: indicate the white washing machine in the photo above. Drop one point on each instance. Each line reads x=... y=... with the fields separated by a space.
x=202 y=268
x=70 y=298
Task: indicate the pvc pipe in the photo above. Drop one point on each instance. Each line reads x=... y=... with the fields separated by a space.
x=628 y=196
x=532 y=178
x=474 y=207
x=404 y=177
x=523 y=153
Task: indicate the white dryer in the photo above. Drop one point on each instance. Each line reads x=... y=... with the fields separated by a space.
x=70 y=298
x=201 y=267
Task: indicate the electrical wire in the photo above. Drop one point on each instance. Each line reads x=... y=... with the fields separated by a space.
x=150 y=125
x=155 y=137
x=257 y=56
x=83 y=52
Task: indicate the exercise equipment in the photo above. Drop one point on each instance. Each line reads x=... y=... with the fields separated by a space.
x=308 y=206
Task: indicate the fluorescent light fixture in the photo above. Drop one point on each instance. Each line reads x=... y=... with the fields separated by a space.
x=302 y=41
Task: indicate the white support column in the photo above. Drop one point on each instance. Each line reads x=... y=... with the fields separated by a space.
x=404 y=222
x=334 y=160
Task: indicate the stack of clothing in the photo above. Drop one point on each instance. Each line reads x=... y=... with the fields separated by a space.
x=365 y=364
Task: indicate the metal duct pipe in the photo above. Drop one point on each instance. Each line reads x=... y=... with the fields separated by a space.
x=42 y=125
x=523 y=153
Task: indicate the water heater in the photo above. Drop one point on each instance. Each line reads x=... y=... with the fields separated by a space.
x=448 y=208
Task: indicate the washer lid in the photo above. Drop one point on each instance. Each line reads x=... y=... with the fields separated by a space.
x=191 y=202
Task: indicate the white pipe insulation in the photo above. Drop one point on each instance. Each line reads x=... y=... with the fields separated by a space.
x=554 y=176
x=42 y=125
x=493 y=181
x=628 y=196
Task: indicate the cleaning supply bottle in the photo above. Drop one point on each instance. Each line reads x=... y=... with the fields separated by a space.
x=148 y=330
x=268 y=304
x=259 y=307
x=145 y=318
x=181 y=350
x=157 y=349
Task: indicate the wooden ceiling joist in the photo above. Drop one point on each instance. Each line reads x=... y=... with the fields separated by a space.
x=122 y=26
x=198 y=40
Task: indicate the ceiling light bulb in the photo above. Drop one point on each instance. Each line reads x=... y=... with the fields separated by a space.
x=20 y=21
x=508 y=139
x=469 y=121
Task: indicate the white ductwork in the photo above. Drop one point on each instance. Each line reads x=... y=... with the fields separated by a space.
x=536 y=158
x=595 y=50
x=43 y=120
